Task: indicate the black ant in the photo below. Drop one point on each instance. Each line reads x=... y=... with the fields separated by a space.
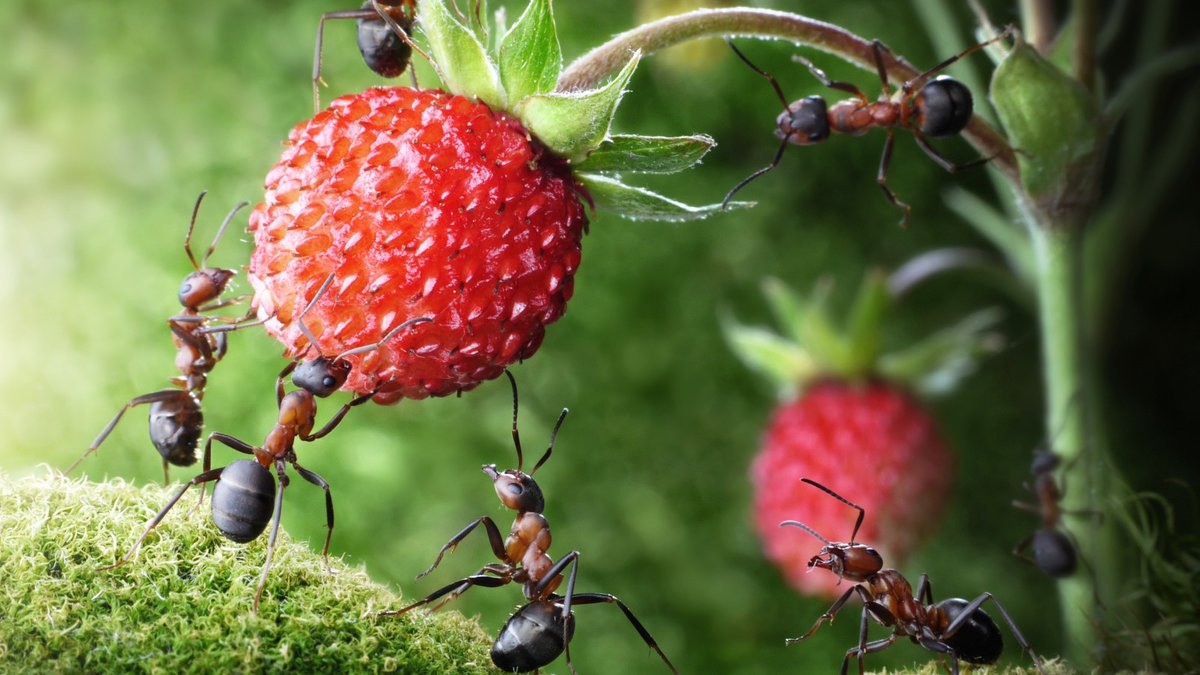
x=542 y=629
x=384 y=27
x=1053 y=551
x=176 y=419
x=952 y=626
x=245 y=489
x=925 y=105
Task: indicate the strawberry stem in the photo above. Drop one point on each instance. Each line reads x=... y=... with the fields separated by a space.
x=601 y=63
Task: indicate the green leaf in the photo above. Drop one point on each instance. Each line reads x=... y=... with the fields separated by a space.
x=462 y=61
x=635 y=203
x=572 y=124
x=530 y=57
x=1054 y=124
x=647 y=154
x=780 y=360
x=936 y=365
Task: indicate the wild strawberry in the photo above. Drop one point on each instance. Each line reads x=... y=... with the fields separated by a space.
x=848 y=423
x=464 y=208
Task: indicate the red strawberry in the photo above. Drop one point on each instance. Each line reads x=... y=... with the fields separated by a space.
x=461 y=208
x=871 y=443
x=422 y=204
x=848 y=422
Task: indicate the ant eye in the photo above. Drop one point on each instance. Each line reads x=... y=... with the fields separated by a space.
x=329 y=381
x=515 y=489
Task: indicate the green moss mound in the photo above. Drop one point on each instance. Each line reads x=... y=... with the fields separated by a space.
x=183 y=603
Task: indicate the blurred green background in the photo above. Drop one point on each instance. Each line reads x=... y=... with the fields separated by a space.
x=114 y=116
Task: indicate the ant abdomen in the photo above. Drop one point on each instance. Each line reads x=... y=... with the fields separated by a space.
x=383 y=51
x=944 y=107
x=242 y=500
x=175 y=427
x=1053 y=553
x=532 y=638
x=978 y=639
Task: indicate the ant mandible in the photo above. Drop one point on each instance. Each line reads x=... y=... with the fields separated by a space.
x=539 y=631
x=384 y=27
x=245 y=489
x=952 y=626
x=176 y=418
x=927 y=106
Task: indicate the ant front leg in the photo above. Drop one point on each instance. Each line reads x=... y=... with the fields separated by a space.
x=205 y=477
x=318 y=55
x=337 y=419
x=482 y=580
x=595 y=598
x=494 y=538
x=885 y=161
x=320 y=482
x=830 y=613
x=941 y=160
x=874 y=610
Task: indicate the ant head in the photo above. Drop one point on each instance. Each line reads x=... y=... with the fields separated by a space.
x=383 y=50
x=203 y=286
x=516 y=489
x=944 y=107
x=848 y=560
x=803 y=122
x=1044 y=461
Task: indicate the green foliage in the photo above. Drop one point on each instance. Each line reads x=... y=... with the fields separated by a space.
x=184 y=602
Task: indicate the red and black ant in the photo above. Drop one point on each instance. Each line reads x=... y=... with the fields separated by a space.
x=245 y=489
x=176 y=419
x=384 y=27
x=927 y=106
x=952 y=626
x=1053 y=551
x=542 y=629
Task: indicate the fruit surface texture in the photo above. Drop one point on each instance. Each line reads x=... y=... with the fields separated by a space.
x=421 y=204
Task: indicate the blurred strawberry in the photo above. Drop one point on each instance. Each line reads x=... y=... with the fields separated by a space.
x=463 y=206
x=848 y=422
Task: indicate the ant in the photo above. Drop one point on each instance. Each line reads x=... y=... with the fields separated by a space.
x=952 y=626
x=539 y=631
x=928 y=106
x=1053 y=551
x=245 y=488
x=384 y=27
x=176 y=418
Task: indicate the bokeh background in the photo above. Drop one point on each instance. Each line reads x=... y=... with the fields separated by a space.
x=114 y=116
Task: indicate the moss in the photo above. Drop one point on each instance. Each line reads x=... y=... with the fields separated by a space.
x=183 y=603
x=1053 y=667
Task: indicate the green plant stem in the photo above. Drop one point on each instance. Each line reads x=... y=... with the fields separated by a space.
x=602 y=62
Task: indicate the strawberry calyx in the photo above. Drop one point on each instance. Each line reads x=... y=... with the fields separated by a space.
x=516 y=70
x=813 y=347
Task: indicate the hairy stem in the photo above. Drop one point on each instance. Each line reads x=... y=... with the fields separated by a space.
x=602 y=62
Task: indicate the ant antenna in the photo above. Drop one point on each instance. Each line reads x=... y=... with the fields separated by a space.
x=782 y=144
x=553 y=434
x=312 y=340
x=390 y=334
x=187 y=241
x=795 y=523
x=515 y=434
x=403 y=35
x=842 y=499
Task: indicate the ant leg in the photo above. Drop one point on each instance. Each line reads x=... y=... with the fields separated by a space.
x=924 y=592
x=202 y=478
x=748 y=179
x=974 y=605
x=595 y=598
x=877 y=50
x=317 y=56
x=847 y=87
x=262 y=580
x=867 y=648
x=495 y=569
x=494 y=537
x=941 y=160
x=191 y=339
x=320 y=482
x=237 y=444
x=829 y=614
x=482 y=580
x=920 y=80
x=337 y=418
x=155 y=397
x=884 y=162
x=770 y=78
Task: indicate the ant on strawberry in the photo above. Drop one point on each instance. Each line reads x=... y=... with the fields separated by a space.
x=953 y=626
x=245 y=489
x=928 y=106
x=384 y=27
x=176 y=418
x=538 y=632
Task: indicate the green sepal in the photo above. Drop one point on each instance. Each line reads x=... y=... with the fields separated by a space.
x=782 y=362
x=635 y=203
x=462 y=60
x=572 y=124
x=821 y=337
x=530 y=57
x=647 y=154
x=1053 y=123
x=936 y=364
x=788 y=306
x=864 y=326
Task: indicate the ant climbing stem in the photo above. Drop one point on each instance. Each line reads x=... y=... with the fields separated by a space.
x=953 y=626
x=539 y=631
x=176 y=416
x=927 y=106
x=245 y=499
